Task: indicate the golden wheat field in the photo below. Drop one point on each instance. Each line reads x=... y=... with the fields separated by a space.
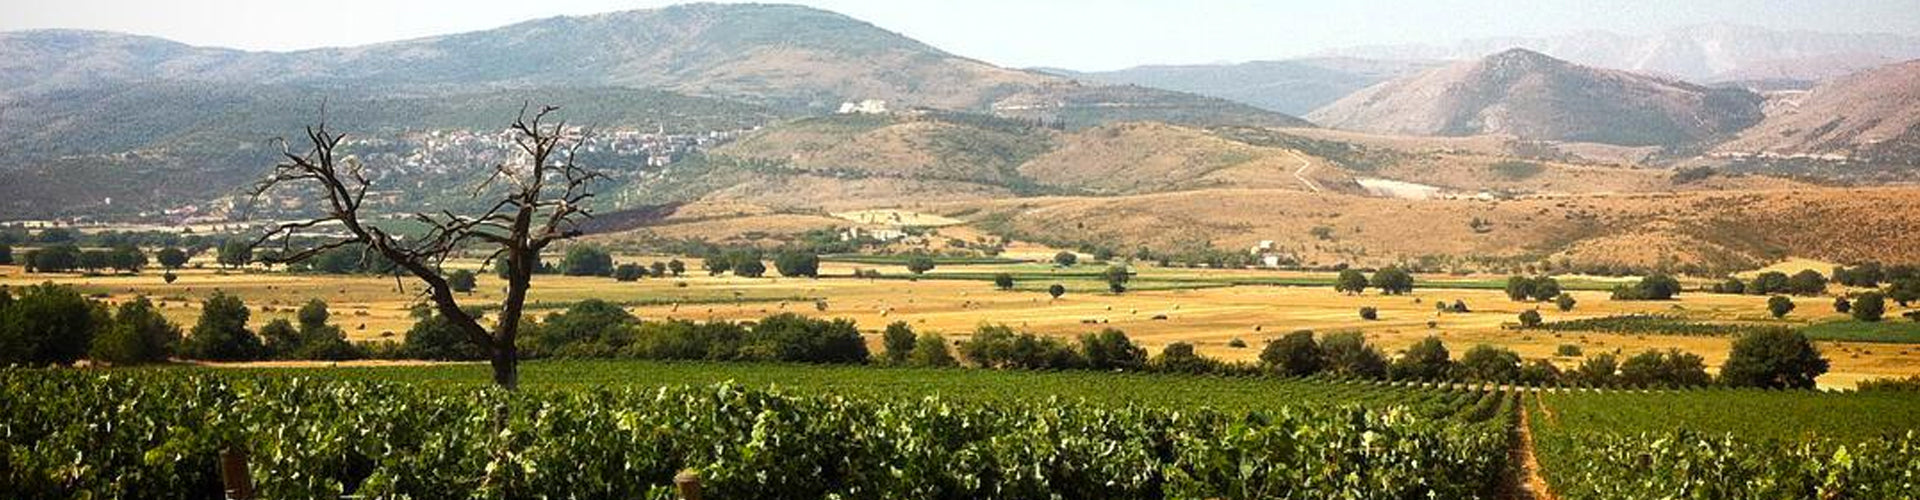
x=1168 y=305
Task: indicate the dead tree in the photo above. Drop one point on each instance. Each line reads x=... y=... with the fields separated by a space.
x=539 y=202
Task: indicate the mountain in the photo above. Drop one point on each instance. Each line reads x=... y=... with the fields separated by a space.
x=1532 y=96
x=1872 y=115
x=1704 y=53
x=1294 y=86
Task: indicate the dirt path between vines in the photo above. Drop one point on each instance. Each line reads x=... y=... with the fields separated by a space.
x=1526 y=483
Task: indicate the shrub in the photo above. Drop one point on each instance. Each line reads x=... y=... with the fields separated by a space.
x=1779 y=306
x=1599 y=370
x=1425 y=360
x=1529 y=318
x=1369 y=313
x=1294 y=355
x=1807 y=282
x=1179 y=357
x=749 y=268
x=1057 y=290
x=797 y=264
x=1569 y=350
x=1731 y=285
x=221 y=334
x=1840 y=305
x=1773 y=359
x=920 y=264
x=1003 y=281
x=1770 y=282
x=1348 y=354
x=1564 y=302
x=899 y=342
x=585 y=260
x=1112 y=350
x=588 y=328
x=1539 y=372
x=1116 y=277
x=1869 y=307
x=1351 y=281
x=1490 y=364
x=433 y=336
x=1392 y=281
x=1673 y=368
x=461 y=280
x=1065 y=259
x=1654 y=287
x=930 y=350
x=997 y=346
x=139 y=334
x=49 y=324
x=629 y=272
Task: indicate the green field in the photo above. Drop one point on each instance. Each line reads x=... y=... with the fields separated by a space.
x=1895 y=330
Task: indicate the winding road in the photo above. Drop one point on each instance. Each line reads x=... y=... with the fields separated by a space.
x=1301 y=173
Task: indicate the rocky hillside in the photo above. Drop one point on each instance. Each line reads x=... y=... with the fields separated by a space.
x=1294 y=86
x=1532 y=96
x=1874 y=115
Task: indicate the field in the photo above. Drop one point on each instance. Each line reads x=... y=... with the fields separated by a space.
x=1205 y=307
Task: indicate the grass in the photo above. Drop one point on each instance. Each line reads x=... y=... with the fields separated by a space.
x=1744 y=413
x=1890 y=330
x=901 y=260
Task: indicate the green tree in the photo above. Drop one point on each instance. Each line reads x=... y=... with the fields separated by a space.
x=1773 y=359
x=676 y=267
x=1599 y=370
x=749 y=268
x=931 y=350
x=628 y=272
x=54 y=259
x=235 y=253
x=1116 y=277
x=1003 y=281
x=49 y=324
x=920 y=264
x=139 y=334
x=795 y=263
x=1393 y=281
x=1427 y=359
x=1841 y=305
x=1112 y=350
x=434 y=337
x=280 y=339
x=1519 y=288
x=1490 y=364
x=899 y=342
x=128 y=258
x=1180 y=357
x=1369 y=313
x=1652 y=287
x=1779 y=306
x=586 y=260
x=1564 y=301
x=171 y=258
x=1350 y=282
x=461 y=280
x=221 y=334
x=1056 y=290
x=1065 y=259
x=1904 y=291
x=1869 y=307
x=95 y=260
x=1294 y=355
x=1807 y=282
x=1529 y=318
x=1348 y=354
x=659 y=269
x=1770 y=282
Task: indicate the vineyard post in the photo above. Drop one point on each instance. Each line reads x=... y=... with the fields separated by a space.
x=687 y=483
x=234 y=479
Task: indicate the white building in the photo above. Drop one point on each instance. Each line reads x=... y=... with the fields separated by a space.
x=866 y=107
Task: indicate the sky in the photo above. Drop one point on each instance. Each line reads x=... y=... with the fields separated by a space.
x=1074 y=34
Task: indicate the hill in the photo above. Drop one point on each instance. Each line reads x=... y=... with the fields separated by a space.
x=1531 y=96
x=1294 y=86
x=1872 y=116
x=1701 y=53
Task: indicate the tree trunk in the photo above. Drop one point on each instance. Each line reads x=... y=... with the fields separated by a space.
x=506 y=367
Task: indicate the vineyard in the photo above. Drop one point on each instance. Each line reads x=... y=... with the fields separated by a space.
x=132 y=433
x=1729 y=444
x=1652 y=324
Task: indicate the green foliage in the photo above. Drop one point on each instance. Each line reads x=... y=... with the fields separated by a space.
x=794 y=263
x=1351 y=281
x=1369 y=313
x=1110 y=349
x=586 y=260
x=1056 y=290
x=1516 y=170
x=1773 y=359
x=1652 y=324
x=139 y=334
x=171 y=258
x=1523 y=289
x=629 y=272
x=1530 y=318
x=1424 y=360
x=54 y=259
x=435 y=337
x=1869 y=307
x=930 y=350
x=1653 y=287
x=1065 y=259
x=1487 y=363
x=676 y=267
x=998 y=346
x=1294 y=355
x=1564 y=302
x=1568 y=350
x=49 y=324
x=588 y=328
x=1672 y=368
x=461 y=280
x=1599 y=370
x=1003 y=281
x=222 y=334
x=1179 y=357
x=1348 y=355
x=1392 y=281
x=235 y=253
x=1779 y=306
x=899 y=342
x=1770 y=282
x=1116 y=277
x=1807 y=282
x=6 y=254
x=920 y=264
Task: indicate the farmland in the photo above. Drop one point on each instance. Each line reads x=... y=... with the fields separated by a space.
x=1209 y=308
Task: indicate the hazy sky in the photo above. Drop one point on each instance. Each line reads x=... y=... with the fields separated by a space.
x=1077 y=34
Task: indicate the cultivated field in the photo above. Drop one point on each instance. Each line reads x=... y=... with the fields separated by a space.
x=1207 y=308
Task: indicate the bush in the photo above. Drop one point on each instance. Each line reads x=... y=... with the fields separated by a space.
x=1770 y=282
x=461 y=280
x=1731 y=285
x=139 y=334
x=1392 y=281
x=930 y=350
x=1351 y=281
x=795 y=264
x=1564 y=302
x=1599 y=370
x=1347 y=354
x=749 y=268
x=1112 y=350
x=585 y=260
x=997 y=346
x=221 y=334
x=629 y=272
x=1773 y=359
x=1116 y=277
x=795 y=338
x=1529 y=318
x=1869 y=307
x=49 y=324
x=588 y=328
x=1840 y=305
x=1654 y=287
x=1179 y=357
x=1369 y=313
x=1294 y=355
x=1524 y=289
x=899 y=342
x=1065 y=259
x=1003 y=281
x=1807 y=282
x=1673 y=368
x=1057 y=290
x=1779 y=306
x=434 y=337
x=920 y=264
x=1487 y=363
x=1569 y=350
x=1539 y=372
x=1425 y=360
